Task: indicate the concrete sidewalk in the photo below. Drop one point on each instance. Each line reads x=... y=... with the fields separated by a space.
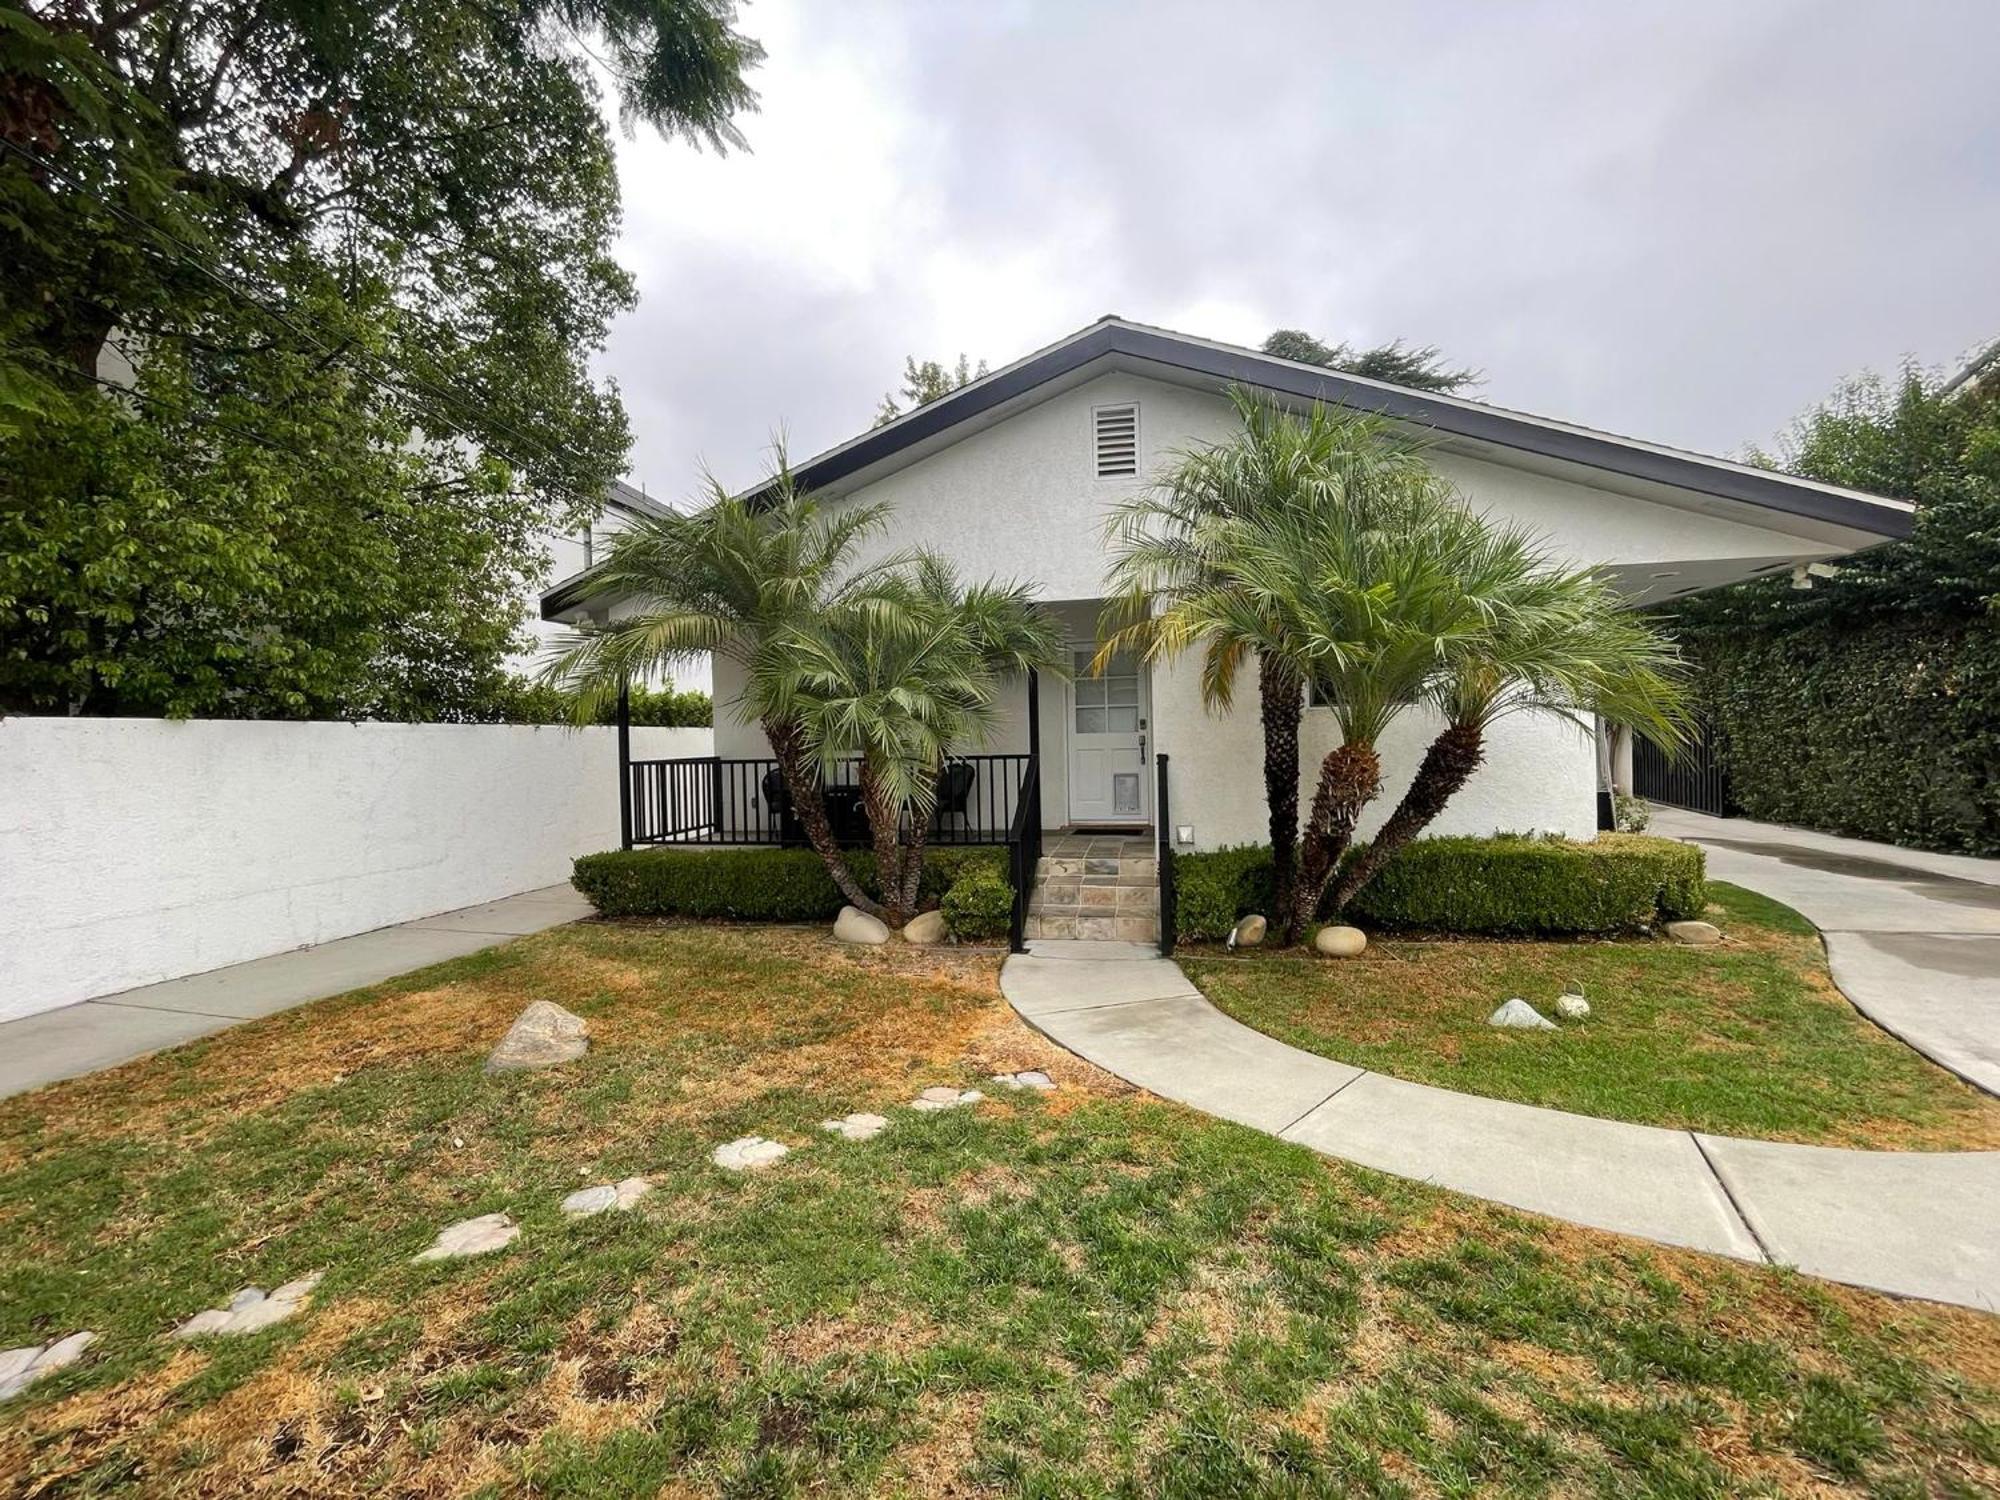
x=112 y=1029
x=1915 y=1224
x=1913 y=938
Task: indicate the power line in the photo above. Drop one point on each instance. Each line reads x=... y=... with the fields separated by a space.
x=383 y=376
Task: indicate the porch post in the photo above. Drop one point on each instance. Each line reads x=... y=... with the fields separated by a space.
x=1035 y=741
x=624 y=763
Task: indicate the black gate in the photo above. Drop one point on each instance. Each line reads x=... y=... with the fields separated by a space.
x=1694 y=779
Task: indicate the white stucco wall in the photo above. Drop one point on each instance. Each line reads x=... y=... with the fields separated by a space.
x=135 y=850
x=1019 y=499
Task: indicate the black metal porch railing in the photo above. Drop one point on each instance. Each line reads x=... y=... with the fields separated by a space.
x=1163 y=815
x=710 y=800
x=1024 y=854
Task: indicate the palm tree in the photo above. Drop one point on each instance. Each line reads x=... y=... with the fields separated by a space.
x=1174 y=542
x=1558 y=641
x=894 y=676
x=731 y=579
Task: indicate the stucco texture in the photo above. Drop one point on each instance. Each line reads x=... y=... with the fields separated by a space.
x=136 y=850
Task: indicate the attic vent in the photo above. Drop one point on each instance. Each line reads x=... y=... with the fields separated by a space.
x=1117 y=434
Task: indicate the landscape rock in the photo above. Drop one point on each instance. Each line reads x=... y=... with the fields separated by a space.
x=854 y=925
x=478 y=1236
x=251 y=1310
x=1517 y=1012
x=925 y=929
x=1571 y=1005
x=1249 y=932
x=584 y=1202
x=543 y=1034
x=751 y=1153
x=1340 y=942
x=1696 y=934
x=933 y=1099
x=856 y=1127
x=21 y=1368
x=1034 y=1078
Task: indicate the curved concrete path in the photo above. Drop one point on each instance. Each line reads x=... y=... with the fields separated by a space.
x=1913 y=938
x=1915 y=1224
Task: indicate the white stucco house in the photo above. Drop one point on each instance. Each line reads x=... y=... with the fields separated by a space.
x=1013 y=474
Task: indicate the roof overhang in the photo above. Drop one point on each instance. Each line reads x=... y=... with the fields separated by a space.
x=1469 y=428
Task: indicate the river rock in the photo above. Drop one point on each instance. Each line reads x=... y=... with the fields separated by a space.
x=925 y=929
x=1339 y=942
x=854 y=925
x=1249 y=932
x=1517 y=1012
x=1571 y=1005
x=1695 y=934
x=544 y=1034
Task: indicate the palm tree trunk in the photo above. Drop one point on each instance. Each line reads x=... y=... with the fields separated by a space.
x=1449 y=763
x=788 y=744
x=1283 y=699
x=1349 y=780
x=885 y=816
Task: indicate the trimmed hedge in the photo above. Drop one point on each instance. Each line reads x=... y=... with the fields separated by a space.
x=782 y=885
x=1512 y=885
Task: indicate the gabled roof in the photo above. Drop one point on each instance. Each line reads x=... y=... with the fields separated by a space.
x=621 y=496
x=1136 y=344
x=1114 y=343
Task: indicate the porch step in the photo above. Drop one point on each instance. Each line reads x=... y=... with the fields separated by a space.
x=1103 y=886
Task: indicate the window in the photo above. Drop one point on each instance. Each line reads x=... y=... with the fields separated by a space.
x=1116 y=433
x=1107 y=704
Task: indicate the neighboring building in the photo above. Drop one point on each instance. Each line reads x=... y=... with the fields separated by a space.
x=574 y=552
x=1013 y=475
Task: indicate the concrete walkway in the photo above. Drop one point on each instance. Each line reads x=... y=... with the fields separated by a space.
x=1913 y=939
x=112 y=1029
x=1915 y=1224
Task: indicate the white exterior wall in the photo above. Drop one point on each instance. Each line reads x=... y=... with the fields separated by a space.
x=135 y=850
x=1019 y=499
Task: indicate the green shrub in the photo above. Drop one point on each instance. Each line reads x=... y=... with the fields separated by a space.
x=754 y=885
x=1510 y=885
x=979 y=905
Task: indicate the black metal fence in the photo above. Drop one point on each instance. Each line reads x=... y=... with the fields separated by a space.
x=1163 y=816
x=1024 y=853
x=1694 y=779
x=708 y=800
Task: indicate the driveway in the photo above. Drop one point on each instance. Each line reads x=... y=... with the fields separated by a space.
x=1913 y=939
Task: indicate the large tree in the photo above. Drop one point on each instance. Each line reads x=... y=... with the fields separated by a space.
x=924 y=383
x=1421 y=367
x=295 y=334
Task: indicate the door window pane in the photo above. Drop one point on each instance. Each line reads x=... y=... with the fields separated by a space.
x=1090 y=721
x=1089 y=693
x=1121 y=720
x=1082 y=661
x=1121 y=690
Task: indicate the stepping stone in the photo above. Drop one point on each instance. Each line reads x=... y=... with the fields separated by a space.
x=544 y=1034
x=750 y=1153
x=945 y=1098
x=251 y=1310
x=477 y=1236
x=859 y=1127
x=1034 y=1078
x=21 y=1368
x=584 y=1202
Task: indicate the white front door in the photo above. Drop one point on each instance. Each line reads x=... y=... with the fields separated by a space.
x=1107 y=741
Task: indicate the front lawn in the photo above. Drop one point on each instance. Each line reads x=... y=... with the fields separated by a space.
x=1749 y=1038
x=1088 y=1293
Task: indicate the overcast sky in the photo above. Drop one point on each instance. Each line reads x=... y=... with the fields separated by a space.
x=1681 y=221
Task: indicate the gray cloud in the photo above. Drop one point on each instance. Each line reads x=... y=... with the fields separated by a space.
x=1681 y=221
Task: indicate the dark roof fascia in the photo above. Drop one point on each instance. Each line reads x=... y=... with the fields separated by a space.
x=1477 y=423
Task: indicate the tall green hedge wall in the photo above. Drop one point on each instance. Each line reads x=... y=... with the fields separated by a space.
x=1887 y=731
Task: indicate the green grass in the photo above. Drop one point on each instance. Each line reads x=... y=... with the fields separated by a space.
x=1749 y=1038
x=1091 y=1293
